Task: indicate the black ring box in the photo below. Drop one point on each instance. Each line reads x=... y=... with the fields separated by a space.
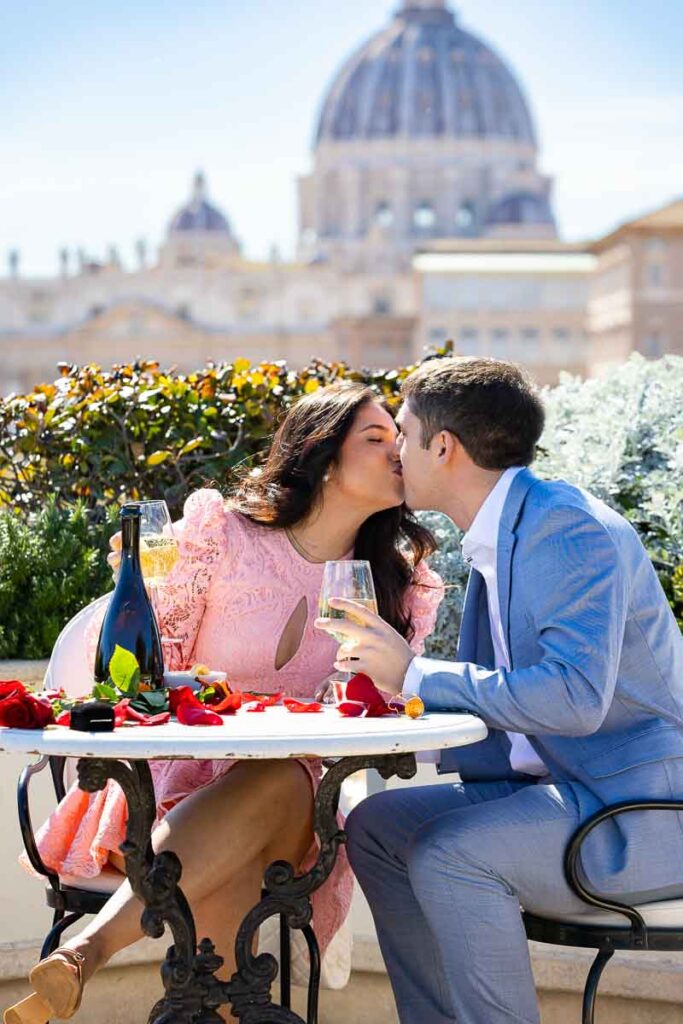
x=93 y=716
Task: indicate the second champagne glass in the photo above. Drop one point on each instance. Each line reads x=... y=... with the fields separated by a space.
x=350 y=578
x=158 y=545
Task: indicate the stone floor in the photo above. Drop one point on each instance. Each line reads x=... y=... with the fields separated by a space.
x=636 y=989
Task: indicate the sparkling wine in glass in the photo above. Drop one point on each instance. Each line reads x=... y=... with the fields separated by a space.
x=158 y=545
x=350 y=579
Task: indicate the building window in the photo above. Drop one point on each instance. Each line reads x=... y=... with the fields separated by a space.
x=500 y=337
x=381 y=305
x=468 y=341
x=465 y=218
x=384 y=215
x=437 y=335
x=561 y=335
x=655 y=275
x=424 y=217
x=653 y=345
x=530 y=339
x=655 y=245
x=247 y=303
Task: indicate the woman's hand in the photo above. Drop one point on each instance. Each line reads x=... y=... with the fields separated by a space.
x=114 y=556
x=324 y=692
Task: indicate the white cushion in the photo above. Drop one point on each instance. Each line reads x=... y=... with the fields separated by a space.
x=107 y=882
x=663 y=914
x=336 y=964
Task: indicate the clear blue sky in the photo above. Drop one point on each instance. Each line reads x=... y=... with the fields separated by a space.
x=108 y=109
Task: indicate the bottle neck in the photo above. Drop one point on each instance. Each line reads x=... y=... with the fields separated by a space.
x=130 y=544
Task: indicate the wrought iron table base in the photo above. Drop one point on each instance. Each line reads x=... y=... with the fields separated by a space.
x=193 y=993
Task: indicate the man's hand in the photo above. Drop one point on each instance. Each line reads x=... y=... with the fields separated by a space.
x=371 y=645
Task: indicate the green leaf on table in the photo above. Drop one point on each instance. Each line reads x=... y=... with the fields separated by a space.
x=104 y=691
x=124 y=671
x=151 y=702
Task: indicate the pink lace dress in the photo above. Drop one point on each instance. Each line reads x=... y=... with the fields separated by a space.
x=228 y=599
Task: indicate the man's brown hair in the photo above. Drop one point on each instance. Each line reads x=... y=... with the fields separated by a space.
x=491 y=406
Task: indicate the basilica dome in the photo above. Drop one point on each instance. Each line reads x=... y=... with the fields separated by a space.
x=424 y=76
x=199 y=235
x=199 y=214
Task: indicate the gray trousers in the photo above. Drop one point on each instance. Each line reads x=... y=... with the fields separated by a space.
x=444 y=869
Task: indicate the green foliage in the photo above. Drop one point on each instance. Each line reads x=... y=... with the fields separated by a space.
x=621 y=438
x=51 y=565
x=107 y=436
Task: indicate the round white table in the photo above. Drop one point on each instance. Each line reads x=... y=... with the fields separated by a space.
x=193 y=993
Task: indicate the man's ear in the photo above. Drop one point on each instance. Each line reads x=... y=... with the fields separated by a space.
x=444 y=447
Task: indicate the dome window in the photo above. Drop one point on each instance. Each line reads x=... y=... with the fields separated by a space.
x=465 y=218
x=424 y=216
x=384 y=215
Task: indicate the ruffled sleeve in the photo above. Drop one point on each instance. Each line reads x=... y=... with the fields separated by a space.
x=424 y=597
x=203 y=536
x=204 y=541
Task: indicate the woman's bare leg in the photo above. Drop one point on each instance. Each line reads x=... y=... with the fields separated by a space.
x=219 y=915
x=259 y=812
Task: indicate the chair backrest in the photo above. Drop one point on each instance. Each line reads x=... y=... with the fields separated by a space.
x=69 y=666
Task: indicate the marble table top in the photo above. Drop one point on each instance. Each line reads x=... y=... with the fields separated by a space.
x=274 y=733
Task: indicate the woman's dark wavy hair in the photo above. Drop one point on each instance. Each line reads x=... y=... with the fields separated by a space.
x=288 y=488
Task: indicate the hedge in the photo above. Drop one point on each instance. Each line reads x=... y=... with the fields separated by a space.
x=71 y=451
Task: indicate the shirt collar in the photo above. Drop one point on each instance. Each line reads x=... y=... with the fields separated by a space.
x=483 y=531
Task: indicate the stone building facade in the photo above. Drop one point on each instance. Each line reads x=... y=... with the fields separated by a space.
x=424 y=216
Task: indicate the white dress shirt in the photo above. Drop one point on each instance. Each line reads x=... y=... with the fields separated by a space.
x=479 y=549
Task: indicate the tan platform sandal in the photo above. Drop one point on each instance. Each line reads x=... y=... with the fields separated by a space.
x=58 y=990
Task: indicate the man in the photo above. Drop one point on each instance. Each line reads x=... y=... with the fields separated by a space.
x=571 y=655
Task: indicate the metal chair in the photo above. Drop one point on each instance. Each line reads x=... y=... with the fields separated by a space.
x=72 y=898
x=652 y=926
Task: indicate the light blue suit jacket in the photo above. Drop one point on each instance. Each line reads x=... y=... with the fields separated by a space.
x=596 y=681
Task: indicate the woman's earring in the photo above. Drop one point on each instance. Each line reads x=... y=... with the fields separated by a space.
x=326 y=478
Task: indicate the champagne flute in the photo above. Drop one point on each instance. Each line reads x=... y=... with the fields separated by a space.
x=158 y=545
x=351 y=579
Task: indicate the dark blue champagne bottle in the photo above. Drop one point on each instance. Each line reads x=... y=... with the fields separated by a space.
x=130 y=621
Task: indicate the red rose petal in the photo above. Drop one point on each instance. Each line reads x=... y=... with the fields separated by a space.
x=182 y=695
x=300 y=707
x=361 y=687
x=352 y=709
x=188 y=714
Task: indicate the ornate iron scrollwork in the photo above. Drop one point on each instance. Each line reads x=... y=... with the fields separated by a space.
x=193 y=993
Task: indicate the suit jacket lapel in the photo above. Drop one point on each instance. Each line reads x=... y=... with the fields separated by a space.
x=512 y=509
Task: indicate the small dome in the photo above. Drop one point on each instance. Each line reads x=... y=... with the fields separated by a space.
x=199 y=214
x=425 y=76
x=521 y=208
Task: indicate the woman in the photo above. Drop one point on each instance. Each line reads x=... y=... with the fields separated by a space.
x=242 y=598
